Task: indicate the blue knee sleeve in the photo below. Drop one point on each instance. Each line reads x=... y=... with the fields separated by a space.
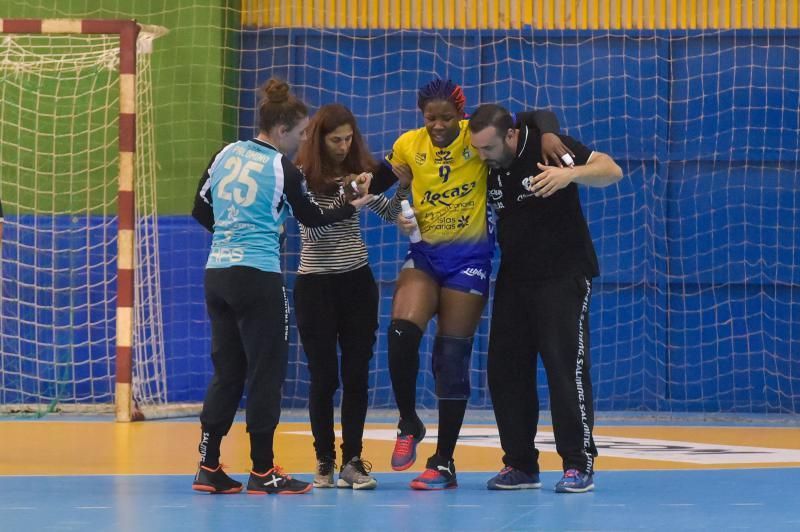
x=451 y=367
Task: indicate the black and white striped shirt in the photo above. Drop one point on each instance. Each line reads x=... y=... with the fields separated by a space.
x=339 y=247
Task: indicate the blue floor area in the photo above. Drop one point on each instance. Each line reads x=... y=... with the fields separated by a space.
x=755 y=499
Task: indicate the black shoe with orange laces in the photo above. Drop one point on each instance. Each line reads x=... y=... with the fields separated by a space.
x=214 y=480
x=276 y=482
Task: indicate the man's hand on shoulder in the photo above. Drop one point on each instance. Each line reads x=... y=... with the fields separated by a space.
x=551 y=180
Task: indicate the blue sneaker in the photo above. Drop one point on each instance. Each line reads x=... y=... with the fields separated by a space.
x=510 y=478
x=439 y=474
x=574 y=481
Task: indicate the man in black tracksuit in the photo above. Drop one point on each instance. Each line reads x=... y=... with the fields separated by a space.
x=542 y=294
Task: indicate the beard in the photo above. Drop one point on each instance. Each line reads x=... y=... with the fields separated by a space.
x=504 y=160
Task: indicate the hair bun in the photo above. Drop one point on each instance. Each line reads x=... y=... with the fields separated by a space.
x=276 y=91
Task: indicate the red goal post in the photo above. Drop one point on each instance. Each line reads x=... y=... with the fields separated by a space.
x=128 y=31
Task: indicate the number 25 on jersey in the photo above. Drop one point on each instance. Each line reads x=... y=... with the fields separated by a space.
x=237 y=185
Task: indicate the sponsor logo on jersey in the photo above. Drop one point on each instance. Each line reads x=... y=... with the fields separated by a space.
x=466 y=154
x=446 y=197
x=443 y=157
x=222 y=255
x=444 y=221
x=232 y=212
x=450 y=210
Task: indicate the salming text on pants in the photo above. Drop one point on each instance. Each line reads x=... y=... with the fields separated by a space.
x=249 y=330
x=337 y=308
x=549 y=317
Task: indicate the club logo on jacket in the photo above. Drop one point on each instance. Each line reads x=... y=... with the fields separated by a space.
x=528 y=183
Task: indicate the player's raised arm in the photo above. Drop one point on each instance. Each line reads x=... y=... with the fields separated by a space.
x=554 y=151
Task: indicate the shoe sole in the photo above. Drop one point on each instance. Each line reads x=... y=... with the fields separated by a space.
x=258 y=492
x=575 y=490
x=215 y=491
x=341 y=483
x=324 y=486
x=534 y=486
x=427 y=487
x=406 y=465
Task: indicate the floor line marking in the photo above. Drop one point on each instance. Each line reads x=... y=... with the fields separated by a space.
x=465 y=506
x=390 y=505
x=534 y=505
x=609 y=505
x=243 y=506
x=747 y=504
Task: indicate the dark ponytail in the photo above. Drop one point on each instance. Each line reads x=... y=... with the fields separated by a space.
x=278 y=107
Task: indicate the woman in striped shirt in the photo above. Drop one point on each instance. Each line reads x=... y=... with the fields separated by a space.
x=335 y=294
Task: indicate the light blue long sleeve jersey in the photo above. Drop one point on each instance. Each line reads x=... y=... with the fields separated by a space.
x=245 y=195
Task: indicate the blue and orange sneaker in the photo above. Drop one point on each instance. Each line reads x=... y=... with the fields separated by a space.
x=510 y=478
x=575 y=481
x=439 y=474
x=214 y=480
x=405 y=448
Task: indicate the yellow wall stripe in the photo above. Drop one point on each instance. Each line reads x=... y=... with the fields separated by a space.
x=516 y=14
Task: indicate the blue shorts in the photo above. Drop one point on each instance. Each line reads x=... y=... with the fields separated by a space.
x=450 y=268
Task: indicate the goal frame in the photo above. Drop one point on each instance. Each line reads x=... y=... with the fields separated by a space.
x=127 y=32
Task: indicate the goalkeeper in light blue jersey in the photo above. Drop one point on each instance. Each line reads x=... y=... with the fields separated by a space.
x=248 y=190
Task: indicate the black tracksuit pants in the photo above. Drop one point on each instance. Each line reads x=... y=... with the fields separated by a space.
x=337 y=308
x=548 y=317
x=249 y=345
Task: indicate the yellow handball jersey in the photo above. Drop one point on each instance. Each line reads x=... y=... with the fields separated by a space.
x=449 y=187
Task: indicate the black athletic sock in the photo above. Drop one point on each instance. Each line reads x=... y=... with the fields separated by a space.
x=261 y=451
x=404 y=338
x=209 y=448
x=451 y=416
